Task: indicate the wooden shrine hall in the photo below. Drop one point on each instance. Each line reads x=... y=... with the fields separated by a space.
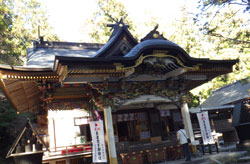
x=140 y=89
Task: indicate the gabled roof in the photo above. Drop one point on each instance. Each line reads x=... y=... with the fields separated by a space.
x=44 y=52
x=145 y=49
x=120 y=38
x=28 y=128
x=121 y=52
x=229 y=94
x=44 y=57
x=121 y=47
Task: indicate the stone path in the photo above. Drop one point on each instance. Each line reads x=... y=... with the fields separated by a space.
x=211 y=158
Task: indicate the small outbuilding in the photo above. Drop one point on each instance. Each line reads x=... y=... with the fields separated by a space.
x=227 y=108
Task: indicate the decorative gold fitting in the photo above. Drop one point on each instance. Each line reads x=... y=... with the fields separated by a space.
x=119 y=66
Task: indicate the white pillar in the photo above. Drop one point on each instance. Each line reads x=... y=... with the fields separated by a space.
x=187 y=121
x=110 y=135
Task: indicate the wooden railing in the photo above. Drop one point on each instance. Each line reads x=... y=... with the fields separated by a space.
x=70 y=150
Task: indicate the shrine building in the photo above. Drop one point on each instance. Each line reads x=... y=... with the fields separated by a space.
x=140 y=89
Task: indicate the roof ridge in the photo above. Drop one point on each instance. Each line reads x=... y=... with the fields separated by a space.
x=67 y=45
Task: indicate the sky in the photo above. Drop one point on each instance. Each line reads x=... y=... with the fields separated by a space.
x=69 y=18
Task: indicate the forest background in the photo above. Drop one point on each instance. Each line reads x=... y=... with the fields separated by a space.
x=217 y=29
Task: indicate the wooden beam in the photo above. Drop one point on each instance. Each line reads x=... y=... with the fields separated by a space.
x=3 y=86
x=63 y=72
x=68 y=97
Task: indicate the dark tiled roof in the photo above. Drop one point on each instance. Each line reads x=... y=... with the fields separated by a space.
x=114 y=39
x=44 y=53
x=44 y=57
x=151 y=43
x=228 y=94
x=67 y=45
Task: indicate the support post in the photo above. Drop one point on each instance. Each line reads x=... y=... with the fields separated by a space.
x=110 y=135
x=187 y=121
x=67 y=161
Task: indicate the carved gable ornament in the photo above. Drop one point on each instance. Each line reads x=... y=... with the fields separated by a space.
x=155 y=66
x=154 y=34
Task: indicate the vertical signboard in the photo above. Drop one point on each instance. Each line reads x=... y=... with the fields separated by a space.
x=98 y=149
x=205 y=128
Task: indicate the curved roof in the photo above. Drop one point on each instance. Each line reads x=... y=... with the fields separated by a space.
x=121 y=48
x=131 y=57
x=152 y=43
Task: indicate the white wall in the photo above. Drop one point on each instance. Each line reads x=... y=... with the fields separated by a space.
x=61 y=127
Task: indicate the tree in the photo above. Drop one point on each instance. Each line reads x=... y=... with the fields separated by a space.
x=19 y=22
x=228 y=31
x=11 y=123
x=187 y=35
x=228 y=9
x=8 y=53
x=192 y=37
x=108 y=12
x=205 y=4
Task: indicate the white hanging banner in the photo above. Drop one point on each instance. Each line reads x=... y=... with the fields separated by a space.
x=98 y=148
x=206 y=132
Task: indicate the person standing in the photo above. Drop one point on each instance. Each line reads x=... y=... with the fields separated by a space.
x=183 y=140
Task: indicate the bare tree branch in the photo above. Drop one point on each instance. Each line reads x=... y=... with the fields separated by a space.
x=235 y=3
x=217 y=12
x=108 y=15
x=230 y=39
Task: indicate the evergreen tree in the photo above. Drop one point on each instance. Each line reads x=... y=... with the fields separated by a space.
x=227 y=35
x=8 y=52
x=108 y=12
x=19 y=22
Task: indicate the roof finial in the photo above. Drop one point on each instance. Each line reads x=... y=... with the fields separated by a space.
x=156 y=27
x=38 y=31
x=40 y=38
x=154 y=34
x=118 y=24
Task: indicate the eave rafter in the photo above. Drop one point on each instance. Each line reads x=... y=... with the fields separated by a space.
x=24 y=95
x=94 y=69
x=103 y=75
x=28 y=75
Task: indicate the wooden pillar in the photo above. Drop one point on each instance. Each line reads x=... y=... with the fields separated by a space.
x=110 y=135
x=52 y=162
x=67 y=161
x=187 y=121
